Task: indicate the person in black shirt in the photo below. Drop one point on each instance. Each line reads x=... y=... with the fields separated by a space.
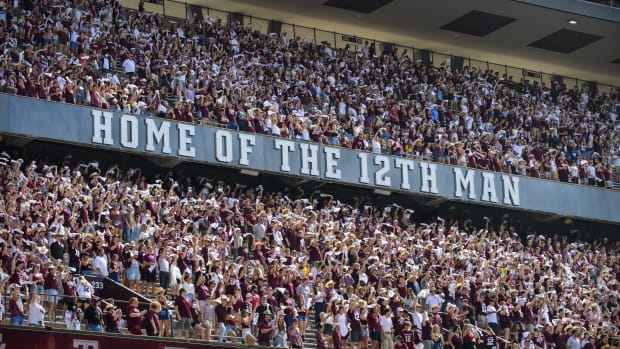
x=488 y=339
x=260 y=308
x=93 y=317
x=58 y=247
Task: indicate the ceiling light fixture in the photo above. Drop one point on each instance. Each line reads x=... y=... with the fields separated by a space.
x=572 y=21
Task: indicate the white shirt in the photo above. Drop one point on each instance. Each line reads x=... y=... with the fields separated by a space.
x=433 y=300
x=164 y=264
x=277 y=237
x=101 y=266
x=491 y=314
x=129 y=65
x=417 y=319
x=275 y=130
x=386 y=323
x=84 y=291
x=72 y=321
x=175 y=274
x=36 y=314
x=341 y=319
x=189 y=287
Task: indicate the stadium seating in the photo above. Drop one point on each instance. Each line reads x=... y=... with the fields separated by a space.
x=133 y=62
x=220 y=258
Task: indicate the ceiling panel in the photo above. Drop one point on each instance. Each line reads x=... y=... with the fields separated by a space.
x=363 y=6
x=565 y=41
x=478 y=23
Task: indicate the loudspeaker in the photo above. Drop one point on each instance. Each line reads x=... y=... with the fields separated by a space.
x=456 y=62
x=235 y=17
x=275 y=27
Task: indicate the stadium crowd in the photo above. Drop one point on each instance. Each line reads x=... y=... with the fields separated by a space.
x=248 y=265
x=97 y=54
x=244 y=264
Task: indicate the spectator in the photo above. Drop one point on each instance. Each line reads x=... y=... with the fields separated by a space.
x=492 y=321
x=208 y=314
x=112 y=319
x=183 y=312
x=163 y=264
x=93 y=316
x=265 y=329
x=101 y=263
x=164 y=315
x=36 y=280
x=84 y=290
x=51 y=291
x=36 y=312
x=386 y=330
x=337 y=339
x=134 y=317
x=220 y=316
x=151 y=320
x=132 y=270
x=197 y=325
x=294 y=335
x=70 y=294
x=73 y=317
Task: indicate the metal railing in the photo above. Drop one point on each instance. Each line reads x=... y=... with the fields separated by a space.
x=173 y=9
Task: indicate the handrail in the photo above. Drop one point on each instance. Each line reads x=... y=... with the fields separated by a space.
x=332 y=38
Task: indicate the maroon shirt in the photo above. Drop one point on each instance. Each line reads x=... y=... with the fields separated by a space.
x=338 y=341
x=111 y=324
x=183 y=306
x=50 y=283
x=354 y=320
x=264 y=338
x=133 y=323
x=408 y=338
x=374 y=325
x=150 y=330
x=15 y=309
